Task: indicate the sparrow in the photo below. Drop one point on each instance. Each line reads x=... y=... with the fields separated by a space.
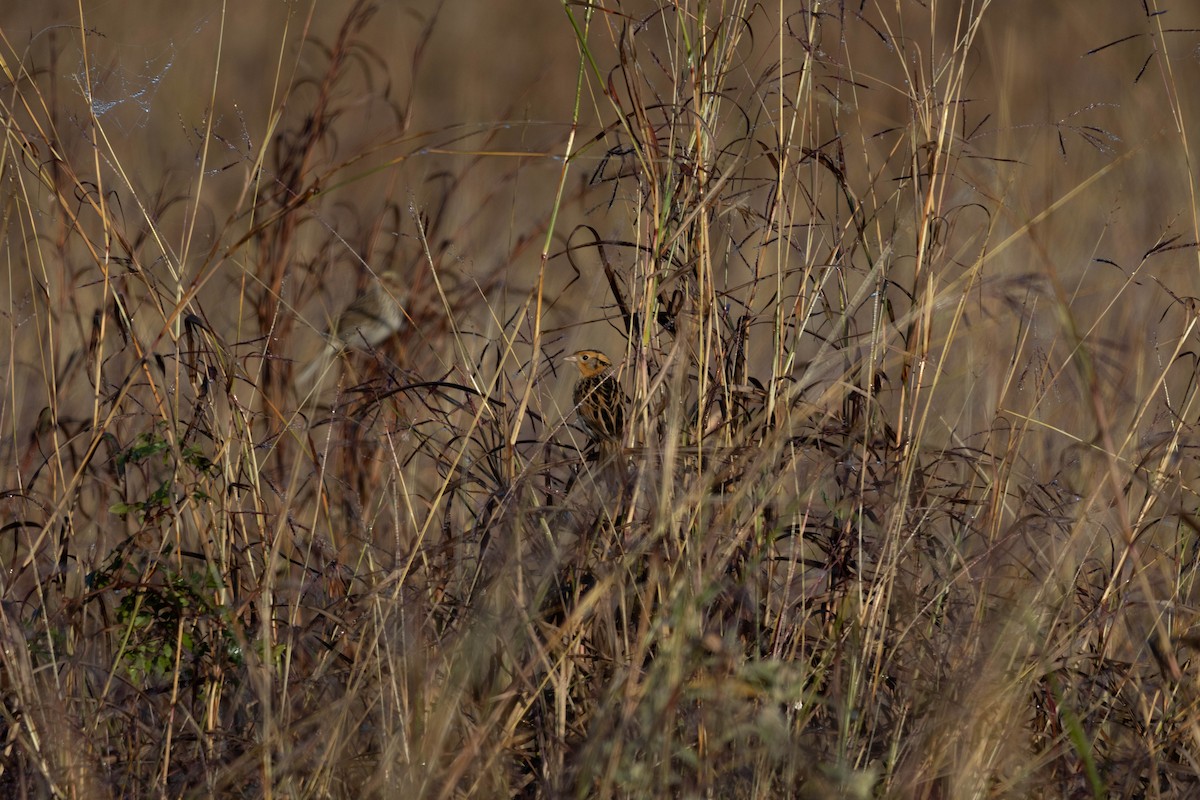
x=598 y=397
x=369 y=320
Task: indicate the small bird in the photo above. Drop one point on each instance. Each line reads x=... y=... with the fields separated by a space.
x=368 y=321
x=598 y=397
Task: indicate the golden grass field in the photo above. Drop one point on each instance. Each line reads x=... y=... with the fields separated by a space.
x=903 y=297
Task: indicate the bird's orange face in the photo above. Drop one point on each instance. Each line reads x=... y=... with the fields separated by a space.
x=590 y=362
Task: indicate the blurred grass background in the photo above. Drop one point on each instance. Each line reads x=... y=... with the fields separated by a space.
x=903 y=297
x=1070 y=142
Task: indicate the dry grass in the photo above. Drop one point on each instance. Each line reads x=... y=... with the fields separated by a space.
x=904 y=303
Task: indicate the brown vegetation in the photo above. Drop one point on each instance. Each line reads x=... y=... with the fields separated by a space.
x=902 y=299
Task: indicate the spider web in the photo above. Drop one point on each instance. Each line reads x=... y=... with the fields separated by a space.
x=124 y=89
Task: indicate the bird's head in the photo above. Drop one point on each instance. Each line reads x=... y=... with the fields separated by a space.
x=590 y=362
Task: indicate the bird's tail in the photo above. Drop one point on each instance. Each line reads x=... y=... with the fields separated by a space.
x=309 y=381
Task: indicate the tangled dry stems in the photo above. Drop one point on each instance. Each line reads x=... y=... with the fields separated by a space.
x=417 y=583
